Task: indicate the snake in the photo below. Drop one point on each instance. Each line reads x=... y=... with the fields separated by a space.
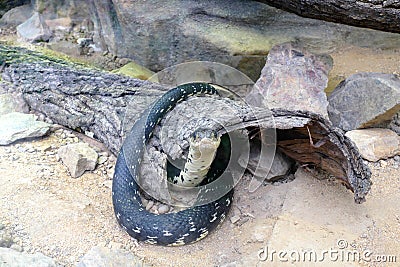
x=171 y=229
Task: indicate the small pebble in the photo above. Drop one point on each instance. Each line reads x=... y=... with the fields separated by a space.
x=397 y=158
x=21 y=149
x=46 y=148
x=59 y=131
x=149 y=205
x=144 y=201
x=110 y=172
x=104 y=154
x=1 y=226
x=234 y=219
x=14 y=157
x=163 y=209
x=383 y=163
x=90 y=134
x=102 y=159
x=154 y=209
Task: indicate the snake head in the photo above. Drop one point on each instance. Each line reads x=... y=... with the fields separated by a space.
x=204 y=133
x=204 y=141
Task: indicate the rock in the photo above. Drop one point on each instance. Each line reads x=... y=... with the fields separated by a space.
x=234 y=219
x=78 y=158
x=267 y=164
x=394 y=125
x=34 y=29
x=376 y=143
x=203 y=30
x=84 y=42
x=16 y=247
x=102 y=257
x=17 y=15
x=6 y=104
x=5 y=239
x=163 y=209
x=10 y=103
x=293 y=75
x=10 y=258
x=159 y=35
x=102 y=160
x=135 y=71
x=365 y=100
x=15 y=126
x=149 y=205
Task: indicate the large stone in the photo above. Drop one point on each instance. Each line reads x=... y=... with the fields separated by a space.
x=375 y=143
x=365 y=100
x=78 y=158
x=34 y=29
x=294 y=79
x=103 y=257
x=12 y=258
x=15 y=126
x=158 y=34
x=10 y=103
x=6 y=5
x=17 y=15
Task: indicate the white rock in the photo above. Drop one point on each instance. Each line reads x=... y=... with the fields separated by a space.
x=15 y=258
x=15 y=126
x=375 y=143
x=78 y=158
x=163 y=209
x=34 y=29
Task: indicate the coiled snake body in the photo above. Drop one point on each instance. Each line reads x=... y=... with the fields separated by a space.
x=179 y=228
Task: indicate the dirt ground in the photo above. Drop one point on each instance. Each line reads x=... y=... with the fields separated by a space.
x=47 y=211
x=62 y=217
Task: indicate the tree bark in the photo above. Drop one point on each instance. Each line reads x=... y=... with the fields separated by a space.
x=107 y=105
x=375 y=14
x=81 y=98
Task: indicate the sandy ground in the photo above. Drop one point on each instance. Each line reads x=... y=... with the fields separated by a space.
x=63 y=217
x=351 y=60
x=48 y=211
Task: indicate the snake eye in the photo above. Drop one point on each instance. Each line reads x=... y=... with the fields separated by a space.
x=204 y=133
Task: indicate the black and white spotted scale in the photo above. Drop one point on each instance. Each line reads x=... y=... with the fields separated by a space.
x=179 y=228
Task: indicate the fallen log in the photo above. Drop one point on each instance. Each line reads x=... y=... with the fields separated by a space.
x=106 y=105
x=381 y=15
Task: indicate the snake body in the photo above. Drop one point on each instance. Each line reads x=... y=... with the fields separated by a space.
x=203 y=148
x=184 y=227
